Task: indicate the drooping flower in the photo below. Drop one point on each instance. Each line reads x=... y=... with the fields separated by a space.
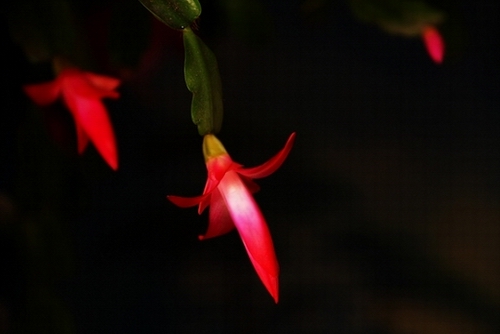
x=434 y=44
x=82 y=93
x=228 y=192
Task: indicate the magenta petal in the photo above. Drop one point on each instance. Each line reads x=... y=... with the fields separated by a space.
x=252 y=228
x=270 y=166
x=185 y=202
x=219 y=220
x=434 y=44
x=43 y=94
x=92 y=117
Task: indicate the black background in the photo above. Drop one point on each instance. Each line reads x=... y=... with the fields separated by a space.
x=385 y=217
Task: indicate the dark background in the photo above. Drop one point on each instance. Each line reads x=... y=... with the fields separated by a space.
x=385 y=217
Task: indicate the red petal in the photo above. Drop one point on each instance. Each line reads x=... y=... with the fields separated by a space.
x=92 y=117
x=270 y=166
x=219 y=220
x=185 y=202
x=217 y=168
x=252 y=228
x=89 y=85
x=210 y=186
x=270 y=282
x=104 y=83
x=203 y=204
x=434 y=44
x=82 y=138
x=43 y=94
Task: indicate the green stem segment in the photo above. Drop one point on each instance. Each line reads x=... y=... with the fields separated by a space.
x=200 y=66
x=203 y=80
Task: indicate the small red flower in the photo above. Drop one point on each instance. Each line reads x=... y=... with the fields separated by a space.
x=434 y=44
x=82 y=93
x=228 y=192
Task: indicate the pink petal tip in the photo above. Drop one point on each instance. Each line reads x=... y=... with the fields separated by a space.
x=434 y=44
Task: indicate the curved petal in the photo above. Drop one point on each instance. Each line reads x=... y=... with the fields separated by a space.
x=270 y=166
x=102 y=81
x=92 y=86
x=105 y=84
x=217 y=168
x=252 y=228
x=74 y=83
x=434 y=44
x=185 y=202
x=43 y=94
x=270 y=282
x=92 y=117
x=210 y=186
x=204 y=203
x=219 y=220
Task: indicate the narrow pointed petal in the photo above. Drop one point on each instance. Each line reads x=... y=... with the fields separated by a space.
x=82 y=139
x=270 y=281
x=43 y=94
x=185 y=202
x=104 y=83
x=219 y=220
x=434 y=44
x=92 y=117
x=270 y=166
x=252 y=228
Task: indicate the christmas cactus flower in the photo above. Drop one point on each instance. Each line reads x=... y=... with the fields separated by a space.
x=82 y=93
x=434 y=44
x=228 y=192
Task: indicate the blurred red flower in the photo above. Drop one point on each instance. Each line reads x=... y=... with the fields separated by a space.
x=82 y=93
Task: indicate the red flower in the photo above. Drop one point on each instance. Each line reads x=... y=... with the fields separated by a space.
x=82 y=93
x=228 y=191
x=434 y=44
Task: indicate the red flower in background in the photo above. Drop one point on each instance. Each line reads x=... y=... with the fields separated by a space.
x=82 y=93
x=434 y=44
x=228 y=192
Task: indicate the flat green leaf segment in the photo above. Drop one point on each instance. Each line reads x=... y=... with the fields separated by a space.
x=203 y=80
x=177 y=14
